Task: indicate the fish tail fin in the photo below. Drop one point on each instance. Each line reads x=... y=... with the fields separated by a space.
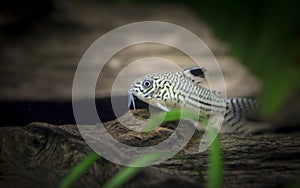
x=237 y=109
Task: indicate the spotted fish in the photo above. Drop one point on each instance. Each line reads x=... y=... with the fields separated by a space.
x=182 y=89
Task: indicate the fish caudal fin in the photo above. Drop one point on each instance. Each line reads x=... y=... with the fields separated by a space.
x=237 y=108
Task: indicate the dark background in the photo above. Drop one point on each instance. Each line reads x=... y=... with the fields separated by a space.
x=263 y=35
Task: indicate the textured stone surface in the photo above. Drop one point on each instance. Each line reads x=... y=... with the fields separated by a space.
x=40 y=154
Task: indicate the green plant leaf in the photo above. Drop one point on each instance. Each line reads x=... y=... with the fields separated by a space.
x=78 y=170
x=215 y=162
x=128 y=172
x=173 y=115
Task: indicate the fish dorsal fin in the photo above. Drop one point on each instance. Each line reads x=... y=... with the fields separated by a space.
x=196 y=74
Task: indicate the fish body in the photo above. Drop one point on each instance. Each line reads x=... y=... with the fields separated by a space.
x=182 y=89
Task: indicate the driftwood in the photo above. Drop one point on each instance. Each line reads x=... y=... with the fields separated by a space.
x=40 y=154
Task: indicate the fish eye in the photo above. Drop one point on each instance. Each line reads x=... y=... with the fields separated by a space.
x=147 y=83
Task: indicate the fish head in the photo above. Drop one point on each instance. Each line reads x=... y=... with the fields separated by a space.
x=143 y=88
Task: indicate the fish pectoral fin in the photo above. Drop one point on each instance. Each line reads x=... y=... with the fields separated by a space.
x=196 y=74
x=163 y=107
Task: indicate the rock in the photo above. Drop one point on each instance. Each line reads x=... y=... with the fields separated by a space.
x=40 y=154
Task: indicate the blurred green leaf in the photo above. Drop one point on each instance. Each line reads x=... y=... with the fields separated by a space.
x=215 y=161
x=173 y=115
x=78 y=170
x=128 y=172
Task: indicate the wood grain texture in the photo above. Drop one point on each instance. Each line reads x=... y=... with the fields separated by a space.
x=40 y=154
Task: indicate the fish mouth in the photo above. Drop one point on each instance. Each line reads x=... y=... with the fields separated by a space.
x=131 y=99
